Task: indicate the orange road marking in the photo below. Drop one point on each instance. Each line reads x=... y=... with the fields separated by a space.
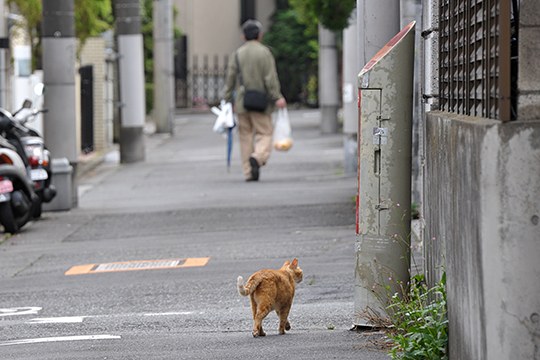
x=137 y=265
x=193 y=262
x=81 y=269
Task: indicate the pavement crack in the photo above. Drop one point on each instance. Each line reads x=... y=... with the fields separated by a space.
x=28 y=266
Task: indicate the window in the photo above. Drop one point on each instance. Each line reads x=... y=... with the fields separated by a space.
x=247 y=10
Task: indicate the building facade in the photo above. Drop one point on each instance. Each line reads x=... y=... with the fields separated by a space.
x=211 y=32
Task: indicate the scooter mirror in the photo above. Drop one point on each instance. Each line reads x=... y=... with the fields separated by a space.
x=27 y=104
x=39 y=89
x=5 y=123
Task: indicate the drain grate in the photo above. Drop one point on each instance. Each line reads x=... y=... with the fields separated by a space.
x=137 y=265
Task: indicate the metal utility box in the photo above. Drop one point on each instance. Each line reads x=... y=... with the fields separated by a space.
x=385 y=90
x=62 y=179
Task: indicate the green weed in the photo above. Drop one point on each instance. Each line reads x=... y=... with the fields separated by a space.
x=420 y=322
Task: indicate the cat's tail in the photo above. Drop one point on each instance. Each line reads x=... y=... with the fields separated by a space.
x=240 y=285
x=249 y=287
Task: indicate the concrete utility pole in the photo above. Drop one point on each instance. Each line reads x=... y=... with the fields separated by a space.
x=328 y=81
x=58 y=42
x=351 y=68
x=131 y=74
x=163 y=66
x=378 y=22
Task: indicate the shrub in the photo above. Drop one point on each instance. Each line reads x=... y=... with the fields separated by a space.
x=295 y=51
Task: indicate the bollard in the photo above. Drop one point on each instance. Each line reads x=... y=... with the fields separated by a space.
x=62 y=180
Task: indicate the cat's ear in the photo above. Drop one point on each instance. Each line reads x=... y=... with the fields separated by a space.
x=294 y=264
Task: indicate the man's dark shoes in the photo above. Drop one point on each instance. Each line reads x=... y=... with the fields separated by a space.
x=254 y=169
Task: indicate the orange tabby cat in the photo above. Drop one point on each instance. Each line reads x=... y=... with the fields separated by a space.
x=271 y=290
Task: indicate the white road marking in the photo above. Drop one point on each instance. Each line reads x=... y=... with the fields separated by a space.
x=57 y=320
x=169 y=313
x=29 y=310
x=80 y=319
x=60 y=338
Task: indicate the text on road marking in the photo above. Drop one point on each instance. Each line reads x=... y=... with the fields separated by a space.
x=137 y=265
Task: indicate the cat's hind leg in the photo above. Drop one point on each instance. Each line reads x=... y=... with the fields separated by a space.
x=260 y=314
x=253 y=307
x=257 y=329
x=283 y=315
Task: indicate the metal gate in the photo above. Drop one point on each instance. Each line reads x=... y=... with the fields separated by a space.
x=200 y=85
x=474 y=61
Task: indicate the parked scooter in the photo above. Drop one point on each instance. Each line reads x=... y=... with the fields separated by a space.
x=39 y=159
x=31 y=148
x=17 y=197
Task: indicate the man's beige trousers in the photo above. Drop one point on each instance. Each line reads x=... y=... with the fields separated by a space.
x=255 y=130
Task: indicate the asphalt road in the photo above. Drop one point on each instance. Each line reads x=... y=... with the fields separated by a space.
x=178 y=208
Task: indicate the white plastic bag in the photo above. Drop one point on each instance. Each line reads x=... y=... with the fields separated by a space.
x=225 y=117
x=282 y=131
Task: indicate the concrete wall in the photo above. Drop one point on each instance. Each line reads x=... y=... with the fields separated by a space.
x=482 y=209
x=212 y=27
x=482 y=206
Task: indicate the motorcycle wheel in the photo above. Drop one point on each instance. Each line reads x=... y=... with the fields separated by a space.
x=37 y=209
x=7 y=219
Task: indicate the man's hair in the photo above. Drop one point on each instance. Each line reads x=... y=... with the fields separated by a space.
x=251 y=29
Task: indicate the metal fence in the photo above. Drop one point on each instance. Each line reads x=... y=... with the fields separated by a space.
x=203 y=83
x=475 y=58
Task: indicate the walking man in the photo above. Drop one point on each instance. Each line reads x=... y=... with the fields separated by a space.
x=252 y=67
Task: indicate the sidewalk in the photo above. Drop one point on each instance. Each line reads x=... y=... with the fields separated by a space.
x=194 y=158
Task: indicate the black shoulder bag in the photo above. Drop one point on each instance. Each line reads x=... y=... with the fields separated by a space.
x=254 y=100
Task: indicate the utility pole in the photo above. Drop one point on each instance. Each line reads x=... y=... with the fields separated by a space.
x=58 y=42
x=163 y=66
x=131 y=73
x=328 y=81
x=351 y=68
x=378 y=22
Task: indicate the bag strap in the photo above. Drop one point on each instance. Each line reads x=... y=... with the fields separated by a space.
x=238 y=70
